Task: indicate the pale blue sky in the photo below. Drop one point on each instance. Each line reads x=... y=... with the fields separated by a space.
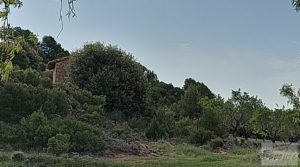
x=227 y=44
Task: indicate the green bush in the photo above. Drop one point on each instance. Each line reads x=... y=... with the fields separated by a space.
x=161 y=124
x=86 y=106
x=36 y=130
x=30 y=131
x=82 y=136
x=59 y=144
x=183 y=127
x=20 y=100
x=31 y=77
x=200 y=136
x=7 y=134
x=109 y=71
x=86 y=140
x=216 y=143
x=18 y=156
x=4 y=157
x=156 y=130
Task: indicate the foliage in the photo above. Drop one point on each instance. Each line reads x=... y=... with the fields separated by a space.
x=49 y=49
x=109 y=71
x=59 y=144
x=31 y=131
x=183 y=127
x=36 y=130
x=30 y=77
x=82 y=136
x=83 y=98
x=9 y=45
x=18 y=156
x=288 y=91
x=274 y=125
x=19 y=100
x=7 y=134
x=200 y=136
x=296 y=4
x=238 y=111
x=160 y=94
x=28 y=57
x=189 y=103
x=211 y=115
x=161 y=124
x=216 y=143
x=202 y=89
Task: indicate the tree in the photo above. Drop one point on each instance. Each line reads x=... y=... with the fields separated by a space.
x=202 y=88
x=296 y=4
x=274 y=125
x=28 y=56
x=289 y=92
x=211 y=115
x=13 y=45
x=161 y=124
x=293 y=96
x=238 y=111
x=50 y=49
x=189 y=103
x=161 y=94
x=109 y=71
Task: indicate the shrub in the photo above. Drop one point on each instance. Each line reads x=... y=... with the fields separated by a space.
x=20 y=100
x=85 y=105
x=156 y=130
x=82 y=136
x=18 y=156
x=36 y=130
x=86 y=140
x=182 y=127
x=109 y=71
x=200 y=136
x=30 y=131
x=4 y=157
x=161 y=124
x=31 y=77
x=59 y=144
x=7 y=134
x=216 y=143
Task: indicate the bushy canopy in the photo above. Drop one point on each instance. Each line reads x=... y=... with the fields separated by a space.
x=109 y=71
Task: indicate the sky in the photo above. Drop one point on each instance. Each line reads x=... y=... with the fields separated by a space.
x=226 y=44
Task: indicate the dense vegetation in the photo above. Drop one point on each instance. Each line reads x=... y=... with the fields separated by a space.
x=114 y=104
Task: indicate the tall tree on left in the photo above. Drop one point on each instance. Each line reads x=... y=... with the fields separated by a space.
x=12 y=45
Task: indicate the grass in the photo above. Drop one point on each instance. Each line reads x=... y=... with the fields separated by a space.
x=174 y=156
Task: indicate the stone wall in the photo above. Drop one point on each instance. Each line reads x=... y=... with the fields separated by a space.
x=61 y=72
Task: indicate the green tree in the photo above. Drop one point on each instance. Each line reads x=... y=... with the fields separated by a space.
x=160 y=94
x=28 y=57
x=109 y=71
x=203 y=90
x=211 y=118
x=12 y=44
x=274 y=125
x=296 y=4
x=50 y=49
x=29 y=131
x=59 y=144
x=161 y=125
x=238 y=111
x=189 y=103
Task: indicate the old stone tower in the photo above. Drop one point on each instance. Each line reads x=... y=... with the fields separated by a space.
x=60 y=69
